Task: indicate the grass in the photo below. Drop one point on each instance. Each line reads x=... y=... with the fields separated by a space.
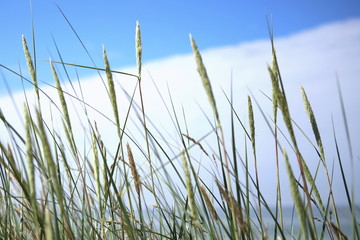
x=67 y=191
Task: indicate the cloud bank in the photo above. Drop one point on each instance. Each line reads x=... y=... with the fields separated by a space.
x=314 y=59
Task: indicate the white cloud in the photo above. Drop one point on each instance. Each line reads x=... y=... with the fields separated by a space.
x=310 y=59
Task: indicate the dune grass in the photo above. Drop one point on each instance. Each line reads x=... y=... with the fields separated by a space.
x=64 y=192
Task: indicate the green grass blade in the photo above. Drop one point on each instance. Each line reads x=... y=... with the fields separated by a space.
x=31 y=168
x=53 y=175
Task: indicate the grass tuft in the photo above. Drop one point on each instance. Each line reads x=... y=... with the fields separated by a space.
x=83 y=188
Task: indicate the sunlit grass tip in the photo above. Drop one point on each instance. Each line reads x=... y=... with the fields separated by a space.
x=112 y=92
x=204 y=78
x=313 y=123
x=61 y=97
x=30 y=65
x=138 y=48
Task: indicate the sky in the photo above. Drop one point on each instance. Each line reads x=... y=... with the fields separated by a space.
x=317 y=42
x=165 y=26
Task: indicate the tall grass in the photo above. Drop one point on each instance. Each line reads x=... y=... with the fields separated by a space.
x=64 y=192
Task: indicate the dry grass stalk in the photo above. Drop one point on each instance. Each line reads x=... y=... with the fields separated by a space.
x=208 y=202
x=239 y=216
x=133 y=170
x=197 y=143
x=337 y=231
x=237 y=211
x=223 y=192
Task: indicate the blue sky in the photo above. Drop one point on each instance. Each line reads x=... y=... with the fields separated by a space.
x=165 y=26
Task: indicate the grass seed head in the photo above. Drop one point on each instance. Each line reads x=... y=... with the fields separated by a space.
x=30 y=162
x=133 y=170
x=189 y=188
x=61 y=97
x=30 y=65
x=313 y=123
x=300 y=209
x=96 y=165
x=138 y=48
x=112 y=91
x=275 y=90
x=251 y=122
x=204 y=78
x=208 y=202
